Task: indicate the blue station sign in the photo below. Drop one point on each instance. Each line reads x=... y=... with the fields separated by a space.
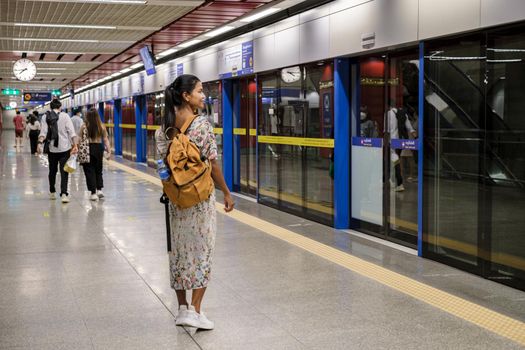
x=367 y=142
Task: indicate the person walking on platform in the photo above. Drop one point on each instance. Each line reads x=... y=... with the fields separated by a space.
x=18 y=121
x=33 y=130
x=193 y=229
x=58 y=130
x=96 y=134
x=77 y=121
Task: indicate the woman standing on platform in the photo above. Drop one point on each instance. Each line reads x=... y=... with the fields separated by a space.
x=193 y=229
x=33 y=130
x=96 y=133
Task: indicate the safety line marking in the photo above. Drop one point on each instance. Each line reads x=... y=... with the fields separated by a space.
x=476 y=314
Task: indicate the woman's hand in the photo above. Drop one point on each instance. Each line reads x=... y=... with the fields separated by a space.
x=228 y=203
x=74 y=150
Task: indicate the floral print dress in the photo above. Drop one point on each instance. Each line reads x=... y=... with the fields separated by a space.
x=193 y=229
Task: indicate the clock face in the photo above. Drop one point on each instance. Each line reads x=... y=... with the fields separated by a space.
x=291 y=75
x=24 y=69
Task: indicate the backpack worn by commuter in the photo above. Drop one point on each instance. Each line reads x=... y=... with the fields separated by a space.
x=190 y=182
x=401 y=116
x=52 y=130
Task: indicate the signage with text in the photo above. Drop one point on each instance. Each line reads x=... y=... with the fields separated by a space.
x=36 y=97
x=404 y=144
x=236 y=60
x=367 y=142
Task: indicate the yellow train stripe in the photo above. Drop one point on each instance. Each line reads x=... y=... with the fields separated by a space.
x=153 y=127
x=218 y=131
x=128 y=126
x=253 y=132
x=109 y=125
x=239 y=131
x=476 y=314
x=297 y=141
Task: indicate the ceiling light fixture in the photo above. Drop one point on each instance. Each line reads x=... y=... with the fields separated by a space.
x=167 y=52
x=137 y=65
x=190 y=43
x=259 y=15
x=115 y=74
x=219 y=31
x=125 y=70
x=132 y=2
x=54 y=62
x=51 y=68
x=72 y=40
x=51 y=25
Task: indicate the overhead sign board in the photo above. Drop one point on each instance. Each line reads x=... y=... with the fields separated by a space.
x=236 y=61
x=36 y=97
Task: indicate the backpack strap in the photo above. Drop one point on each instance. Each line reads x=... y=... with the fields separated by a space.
x=187 y=124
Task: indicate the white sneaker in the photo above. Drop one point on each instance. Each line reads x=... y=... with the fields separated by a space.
x=182 y=315
x=94 y=197
x=400 y=188
x=196 y=320
x=65 y=198
x=100 y=194
x=53 y=196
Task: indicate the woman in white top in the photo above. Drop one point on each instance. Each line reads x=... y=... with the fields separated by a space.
x=32 y=132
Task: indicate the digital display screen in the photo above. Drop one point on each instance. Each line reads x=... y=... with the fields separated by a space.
x=147 y=59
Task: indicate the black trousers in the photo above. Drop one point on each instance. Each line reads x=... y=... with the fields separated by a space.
x=33 y=138
x=397 y=169
x=56 y=159
x=93 y=169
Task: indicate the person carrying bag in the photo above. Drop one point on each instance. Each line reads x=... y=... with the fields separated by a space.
x=191 y=158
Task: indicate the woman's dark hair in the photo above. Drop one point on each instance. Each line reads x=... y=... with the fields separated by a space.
x=55 y=104
x=35 y=113
x=173 y=94
x=93 y=124
x=76 y=111
x=32 y=119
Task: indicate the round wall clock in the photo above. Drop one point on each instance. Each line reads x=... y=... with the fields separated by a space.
x=291 y=75
x=24 y=69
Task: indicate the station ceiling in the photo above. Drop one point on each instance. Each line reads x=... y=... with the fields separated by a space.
x=75 y=42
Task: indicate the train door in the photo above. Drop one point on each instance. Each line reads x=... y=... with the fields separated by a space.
x=384 y=147
x=245 y=136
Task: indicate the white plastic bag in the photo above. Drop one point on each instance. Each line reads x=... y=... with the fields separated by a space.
x=71 y=164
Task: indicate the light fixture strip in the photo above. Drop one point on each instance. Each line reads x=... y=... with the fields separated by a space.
x=190 y=43
x=56 y=62
x=259 y=15
x=219 y=31
x=137 y=65
x=72 y=40
x=51 y=68
x=57 y=25
x=167 y=52
x=132 y=2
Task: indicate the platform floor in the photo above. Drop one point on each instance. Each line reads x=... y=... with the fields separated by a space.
x=94 y=275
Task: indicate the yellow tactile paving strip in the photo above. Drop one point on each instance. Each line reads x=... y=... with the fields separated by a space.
x=481 y=316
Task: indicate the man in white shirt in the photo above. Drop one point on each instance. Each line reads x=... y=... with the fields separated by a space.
x=393 y=130
x=62 y=143
x=77 y=120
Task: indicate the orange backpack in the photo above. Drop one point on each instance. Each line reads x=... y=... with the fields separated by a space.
x=190 y=181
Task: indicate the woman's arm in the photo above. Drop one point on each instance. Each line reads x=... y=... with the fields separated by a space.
x=216 y=175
